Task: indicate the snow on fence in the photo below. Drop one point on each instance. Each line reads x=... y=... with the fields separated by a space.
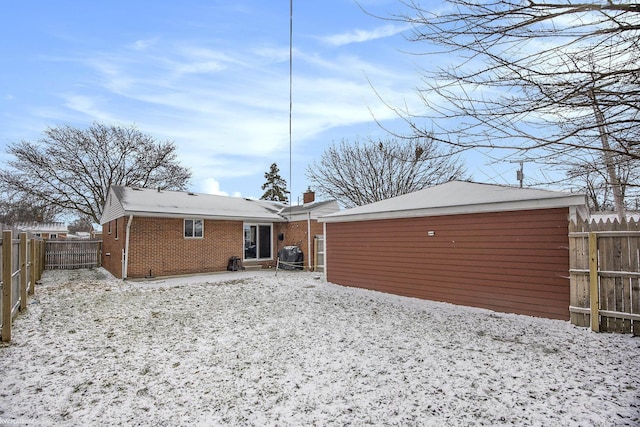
x=73 y=254
x=605 y=263
x=21 y=268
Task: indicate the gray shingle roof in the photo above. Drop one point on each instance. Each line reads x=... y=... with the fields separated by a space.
x=458 y=197
x=148 y=202
x=125 y=201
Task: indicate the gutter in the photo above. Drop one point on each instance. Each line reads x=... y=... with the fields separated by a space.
x=309 y=240
x=125 y=266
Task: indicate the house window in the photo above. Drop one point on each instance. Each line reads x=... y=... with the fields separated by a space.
x=257 y=241
x=116 y=227
x=109 y=227
x=193 y=228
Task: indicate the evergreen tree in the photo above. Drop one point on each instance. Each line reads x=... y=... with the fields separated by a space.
x=276 y=187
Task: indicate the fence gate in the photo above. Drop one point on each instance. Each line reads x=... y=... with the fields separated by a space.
x=605 y=276
x=72 y=254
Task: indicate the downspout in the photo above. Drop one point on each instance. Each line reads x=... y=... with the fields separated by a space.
x=324 y=232
x=309 y=240
x=126 y=249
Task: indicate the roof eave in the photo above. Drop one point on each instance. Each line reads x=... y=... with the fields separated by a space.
x=550 y=203
x=247 y=218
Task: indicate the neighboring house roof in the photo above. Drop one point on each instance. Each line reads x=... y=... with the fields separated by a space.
x=125 y=201
x=459 y=197
x=312 y=210
x=42 y=227
x=84 y=235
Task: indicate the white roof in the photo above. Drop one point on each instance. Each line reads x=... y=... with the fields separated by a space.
x=42 y=227
x=458 y=197
x=313 y=210
x=125 y=201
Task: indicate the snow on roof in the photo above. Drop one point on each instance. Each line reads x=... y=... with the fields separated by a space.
x=314 y=209
x=42 y=227
x=163 y=203
x=458 y=197
x=612 y=216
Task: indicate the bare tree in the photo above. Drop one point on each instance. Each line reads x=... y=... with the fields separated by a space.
x=358 y=173
x=72 y=169
x=540 y=79
x=81 y=224
x=595 y=181
x=13 y=210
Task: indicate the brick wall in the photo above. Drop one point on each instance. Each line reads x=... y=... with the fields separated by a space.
x=295 y=234
x=158 y=247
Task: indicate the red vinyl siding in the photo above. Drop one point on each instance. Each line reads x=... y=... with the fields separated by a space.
x=516 y=262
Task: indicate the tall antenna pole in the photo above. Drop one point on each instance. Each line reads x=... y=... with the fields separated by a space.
x=290 y=99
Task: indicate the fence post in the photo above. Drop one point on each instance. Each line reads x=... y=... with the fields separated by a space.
x=6 y=285
x=593 y=282
x=33 y=267
x=23 y=271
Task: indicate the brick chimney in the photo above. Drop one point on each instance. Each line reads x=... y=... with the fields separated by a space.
x=308 y=197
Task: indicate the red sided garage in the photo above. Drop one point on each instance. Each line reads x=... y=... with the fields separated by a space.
x=495 y=247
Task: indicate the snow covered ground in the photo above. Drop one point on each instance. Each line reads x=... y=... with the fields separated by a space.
x=252 y=348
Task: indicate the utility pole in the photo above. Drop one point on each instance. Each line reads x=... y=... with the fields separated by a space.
x=520 y=172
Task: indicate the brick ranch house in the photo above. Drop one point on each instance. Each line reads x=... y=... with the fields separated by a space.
x=501 y=248
x=152 y=233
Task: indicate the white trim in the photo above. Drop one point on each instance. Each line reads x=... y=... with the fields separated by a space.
x=210 y=217
x=257 y=224
x=184 y=228
x=326 y=268
x=309 y=240
x=560 y=202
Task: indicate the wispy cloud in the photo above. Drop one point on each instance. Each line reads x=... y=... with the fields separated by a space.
x=228 y=108
x=360 y=36
x=140 y=45
x=88 y=107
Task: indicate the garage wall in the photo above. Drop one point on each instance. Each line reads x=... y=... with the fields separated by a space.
x=515 y=262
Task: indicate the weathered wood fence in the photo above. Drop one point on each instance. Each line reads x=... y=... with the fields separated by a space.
x=72 y=254
x=605 y=276
x=21 y=266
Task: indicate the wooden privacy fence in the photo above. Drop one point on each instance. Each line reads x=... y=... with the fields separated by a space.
x=21 y=267
x=605 y=276
x=73 y=254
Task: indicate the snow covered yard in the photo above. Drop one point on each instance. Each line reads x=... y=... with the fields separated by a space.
x=250 y=348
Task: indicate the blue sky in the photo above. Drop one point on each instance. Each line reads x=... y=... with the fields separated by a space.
x=213 y=76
